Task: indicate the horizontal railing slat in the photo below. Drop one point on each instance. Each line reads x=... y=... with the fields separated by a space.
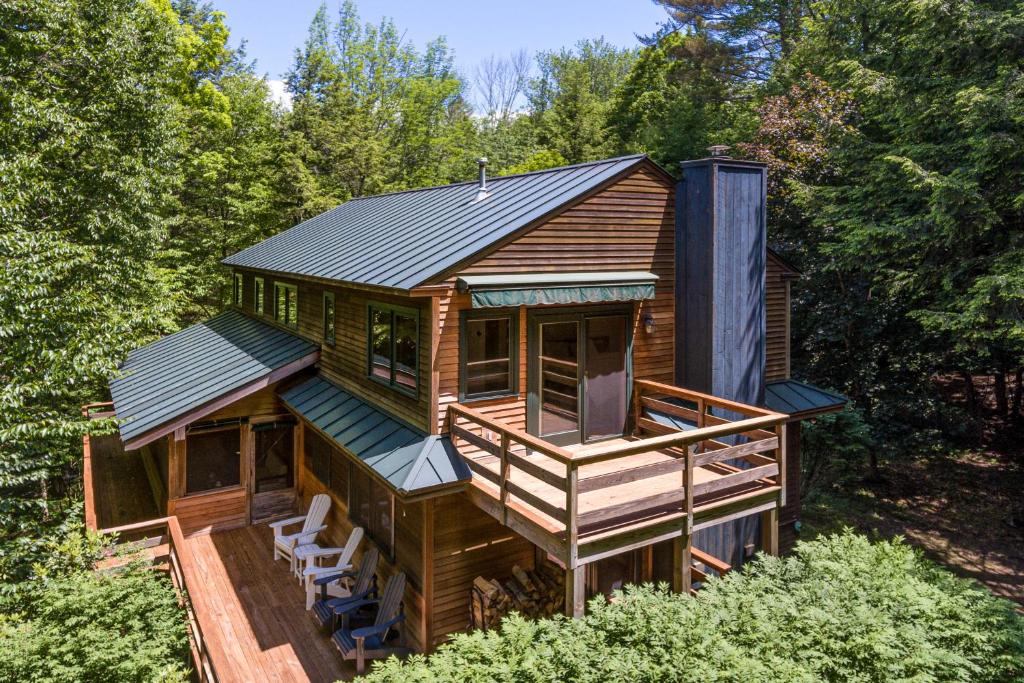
x=735 y=479
x=730 y=452
x=600 y=481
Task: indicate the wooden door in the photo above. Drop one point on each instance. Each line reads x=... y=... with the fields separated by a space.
x=273 y=468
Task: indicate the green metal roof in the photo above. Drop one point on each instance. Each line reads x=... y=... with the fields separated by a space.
x=407 y=458
x=189 y=370
x=801 y=399
x=538 y=289
x=406 y=239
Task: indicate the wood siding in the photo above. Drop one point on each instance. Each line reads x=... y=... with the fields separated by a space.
x=777 y=311
x=629 y=225
x=468 y=543
x=346 y=361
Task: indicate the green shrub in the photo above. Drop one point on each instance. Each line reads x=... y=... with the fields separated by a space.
x=840 y=609
x=96 y=626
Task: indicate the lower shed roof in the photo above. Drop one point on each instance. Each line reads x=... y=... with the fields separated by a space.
x=408 y=459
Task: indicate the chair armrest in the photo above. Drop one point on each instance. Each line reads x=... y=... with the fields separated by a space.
x=338 y=572
x=311 y=534
x=324 y=552
x=286 y=522
x=352 y=604
x=330 y=578
x=367 y=631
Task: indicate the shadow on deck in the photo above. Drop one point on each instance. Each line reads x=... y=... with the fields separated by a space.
x=260 y=630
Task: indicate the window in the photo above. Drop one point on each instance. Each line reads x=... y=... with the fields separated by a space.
x=258 y=296
x=329 y=318
x=371 y=506
x=274 y=448
x=393 y=346
x=236 y=295
x=286 y=305
x=318 y=456
x=488 y=353
x=212 y=458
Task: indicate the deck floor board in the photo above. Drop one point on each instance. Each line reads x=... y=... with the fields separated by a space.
x=261 y=631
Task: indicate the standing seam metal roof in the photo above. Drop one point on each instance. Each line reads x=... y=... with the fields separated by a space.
x=186 y=370
x=405 y=457
x=405 y=239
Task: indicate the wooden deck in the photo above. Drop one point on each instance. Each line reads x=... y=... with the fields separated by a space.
x=120 y=492
x=260 y=630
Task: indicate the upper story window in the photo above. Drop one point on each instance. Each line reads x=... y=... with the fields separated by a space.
x=393 y=346
x=488 y=354
x=236 y=294
x=329 y=318
x=286 y=304
x=258 y=295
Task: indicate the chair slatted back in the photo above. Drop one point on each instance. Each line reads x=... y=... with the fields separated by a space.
x=391 y=601
x=350 y=547
x=318 y=508
x=367 y=569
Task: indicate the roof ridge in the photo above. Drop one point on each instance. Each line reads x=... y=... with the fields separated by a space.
x=582 y=164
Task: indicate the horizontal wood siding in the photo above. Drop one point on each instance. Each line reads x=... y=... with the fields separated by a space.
x=345 y=362
x=776 y=320
x=468 y=543
x=629 y=225
x=214 y=511
x=409 y=531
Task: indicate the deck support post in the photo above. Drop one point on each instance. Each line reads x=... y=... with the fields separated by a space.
x=770 y=531
x=575 y=591
x=682 y=581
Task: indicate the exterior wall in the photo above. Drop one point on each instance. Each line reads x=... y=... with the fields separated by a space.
x=467 y=543
x=346 y=362
x=777 y=303
x=629 y=225
x=410 y=532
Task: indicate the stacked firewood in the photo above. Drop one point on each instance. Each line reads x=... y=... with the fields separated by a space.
x=532 y=593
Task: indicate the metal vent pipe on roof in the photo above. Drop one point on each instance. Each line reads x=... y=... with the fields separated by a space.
x=482 y=189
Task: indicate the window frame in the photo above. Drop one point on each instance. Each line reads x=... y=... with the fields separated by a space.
x=259 y=295
x=237 y=289
x=413 y=313
x=331 y=339
x=294 y=289
x=210 y=428
x=513 y=353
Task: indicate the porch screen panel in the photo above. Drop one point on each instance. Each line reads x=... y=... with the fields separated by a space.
x=274 y=456
x=605 y=376
x=559 y=373
x=213 y=459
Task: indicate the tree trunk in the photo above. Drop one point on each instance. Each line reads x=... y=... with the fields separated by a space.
x=970 y=394
x=1002 y=408
x=1018 y=395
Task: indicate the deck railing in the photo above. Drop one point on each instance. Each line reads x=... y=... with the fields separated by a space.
x=693 y=430
x=151 y=536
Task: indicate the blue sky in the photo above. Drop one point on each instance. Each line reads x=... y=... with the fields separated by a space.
x=475 y=30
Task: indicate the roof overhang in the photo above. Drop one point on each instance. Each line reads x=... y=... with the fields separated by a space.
x=544 y=289
x=800 y=400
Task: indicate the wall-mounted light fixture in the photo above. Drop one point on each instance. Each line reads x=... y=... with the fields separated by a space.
x=649 y=323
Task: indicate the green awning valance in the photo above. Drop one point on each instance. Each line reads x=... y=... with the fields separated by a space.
x=542 y=289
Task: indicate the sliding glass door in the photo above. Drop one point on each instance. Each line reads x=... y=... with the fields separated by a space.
x=578 y=375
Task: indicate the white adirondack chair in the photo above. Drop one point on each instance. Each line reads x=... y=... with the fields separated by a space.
x=312 y=524
x=335 y=589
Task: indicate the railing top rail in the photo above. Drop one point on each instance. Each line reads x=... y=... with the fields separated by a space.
x=141 y=526
x=599 y=453
x=716 y=401
x=537 y=444
x=89 y=407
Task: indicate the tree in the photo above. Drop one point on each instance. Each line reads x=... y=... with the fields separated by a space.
x=840 y=609
x=500 y=83
x=88 y=153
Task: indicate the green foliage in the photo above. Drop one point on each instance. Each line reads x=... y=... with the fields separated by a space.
x=833 y=447
x=538 y=162
x=91 y=626
x=840 y=609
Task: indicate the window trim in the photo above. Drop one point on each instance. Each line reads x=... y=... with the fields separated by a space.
x=237 y=289
x=209 y=428
x=277 y=317
x=329 y=296
x=259 y=295
x=392 y=309
x=513 y=352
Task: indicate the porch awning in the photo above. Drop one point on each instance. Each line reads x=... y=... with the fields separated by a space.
x=800 y=399
x=540 y=289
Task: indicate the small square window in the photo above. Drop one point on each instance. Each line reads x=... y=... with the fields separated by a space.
x=258 y=296
x=236 y=295
x=329 y=318
x=286 y=306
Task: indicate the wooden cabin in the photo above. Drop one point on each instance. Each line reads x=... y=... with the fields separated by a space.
x=584 y=368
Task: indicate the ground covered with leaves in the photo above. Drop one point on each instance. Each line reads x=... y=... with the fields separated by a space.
x=841 y=609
